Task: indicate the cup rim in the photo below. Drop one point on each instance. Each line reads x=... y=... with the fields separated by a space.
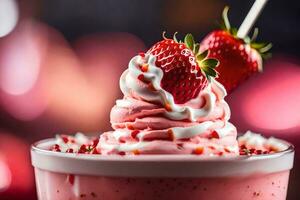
x=156 y=157
x=159 y=165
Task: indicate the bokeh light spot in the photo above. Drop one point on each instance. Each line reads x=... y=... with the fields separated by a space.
x=269 y=101
x=20 y=62
x=9 y=15
x=5 y=176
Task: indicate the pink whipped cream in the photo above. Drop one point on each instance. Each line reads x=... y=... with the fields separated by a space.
x=147 y=121
x=249 y=144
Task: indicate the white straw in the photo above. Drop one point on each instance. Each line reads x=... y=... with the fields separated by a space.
x=251 y=17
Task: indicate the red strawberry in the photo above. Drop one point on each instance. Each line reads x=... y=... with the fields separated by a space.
x=186 y=71
x=239 y=57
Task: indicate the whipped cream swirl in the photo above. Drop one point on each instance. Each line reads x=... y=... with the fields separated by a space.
x=148 y=121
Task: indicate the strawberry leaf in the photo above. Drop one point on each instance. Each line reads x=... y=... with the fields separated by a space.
x=265 y=48
x=209 y=72
x=202 y=55
x=222 y=25
x=254 y=35
x=174 y=37
x=266 y=55
x=257 y=45
x=261 y=47
x=210 y=62
x=164 y=35
x=233 y=31
x=196 y=48
x=189 y=41
x=208 y=67
x=225 y=22
x=208 y=77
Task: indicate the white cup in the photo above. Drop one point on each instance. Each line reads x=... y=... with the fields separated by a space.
x=81 y=176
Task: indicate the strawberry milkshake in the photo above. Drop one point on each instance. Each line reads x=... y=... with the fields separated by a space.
x=172 y=139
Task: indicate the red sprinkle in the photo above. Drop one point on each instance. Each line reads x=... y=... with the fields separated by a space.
x=142 y=78
x=56 y=148
x=136 y=152
x=144 y=67
x=142 y=54
x=198 y=150
x=226 y=150
x=70 y=150
x=121 y=140
x=134 y=134
x=130 y=127
x=95 y=142
x=171 y=134
x=82 y=149
x=179 y=145
x=212 y=147
x=220 y=153
x=72 y=140
x=168 y=107
x=258 y=152
x=65 y=138
x=151 y=87
x=214 y=134
x=95 y=151
x=71 y=178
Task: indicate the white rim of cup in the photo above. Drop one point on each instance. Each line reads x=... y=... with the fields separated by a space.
x=173 y=166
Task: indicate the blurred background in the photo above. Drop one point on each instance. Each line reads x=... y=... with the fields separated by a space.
x=60 y=63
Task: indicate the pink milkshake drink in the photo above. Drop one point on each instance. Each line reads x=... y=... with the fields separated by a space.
x=64 y=176
x=172 y=139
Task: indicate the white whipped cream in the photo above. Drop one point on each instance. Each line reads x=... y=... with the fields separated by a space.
x=204 y=119
x=131 y=85
x=214 y=93
x=257 y=141
x=79 y=139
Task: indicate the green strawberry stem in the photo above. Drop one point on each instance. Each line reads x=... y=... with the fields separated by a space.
x=262 y=47
x=207 y=65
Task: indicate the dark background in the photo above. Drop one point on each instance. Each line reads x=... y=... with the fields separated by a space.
x=279 y=22
x=85 y=45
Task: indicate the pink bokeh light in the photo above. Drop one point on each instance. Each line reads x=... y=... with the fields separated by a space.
x=21 y=56
x=5 y=174
x=269 y=102
x=40 y=73
x=20 y=61
x=18 y=173
x=82 y=84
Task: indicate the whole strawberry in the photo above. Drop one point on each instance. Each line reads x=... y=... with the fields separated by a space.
x=186 y=70
x=239 y=57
